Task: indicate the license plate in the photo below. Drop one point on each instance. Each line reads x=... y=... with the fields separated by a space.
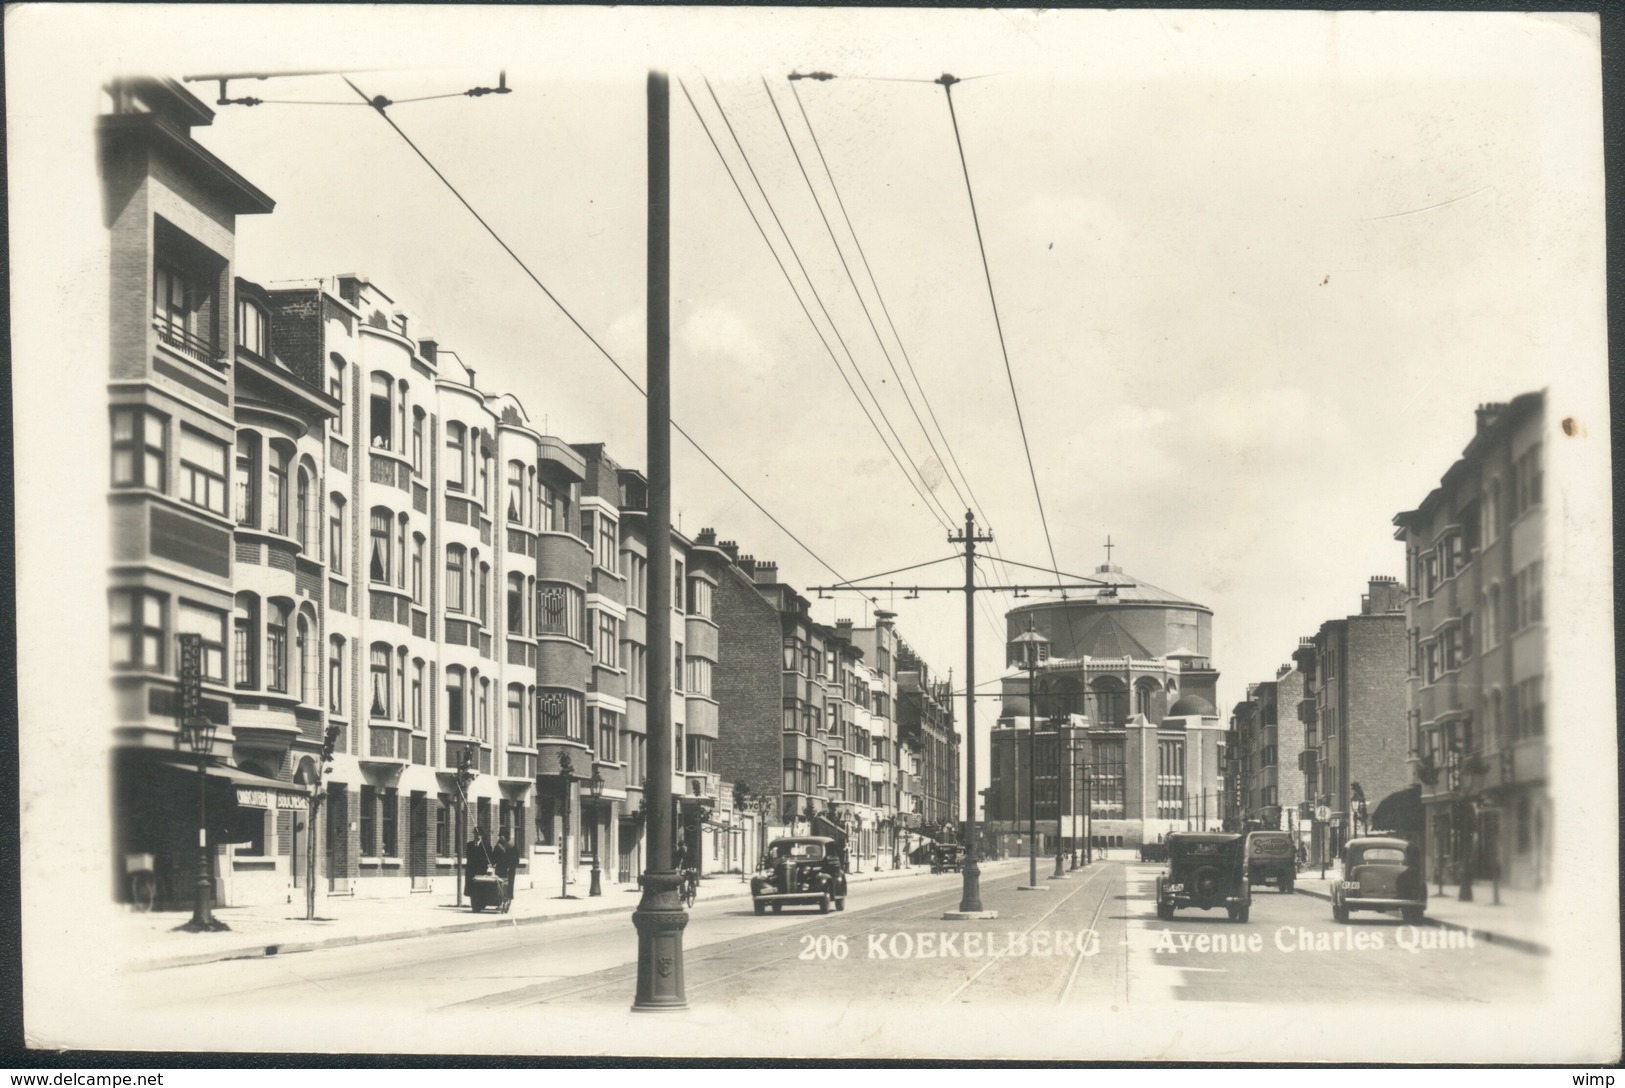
x=1176 y=887
x=1353 y=885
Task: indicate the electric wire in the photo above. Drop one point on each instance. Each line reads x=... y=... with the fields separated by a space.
x=590 y=338
x=789 y=280
x=940 y=512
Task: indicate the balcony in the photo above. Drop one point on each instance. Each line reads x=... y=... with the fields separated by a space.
x=187 y=342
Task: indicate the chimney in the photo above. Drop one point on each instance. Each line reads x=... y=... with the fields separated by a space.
x=707 y=538
x=732 y=548
x=766 y=573
x=427 y=349
x=844 y=629
x=1488 y=414
x=747 y=566
x=1384 y=594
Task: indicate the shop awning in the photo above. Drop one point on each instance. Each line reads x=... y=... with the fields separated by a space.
x=159 y=789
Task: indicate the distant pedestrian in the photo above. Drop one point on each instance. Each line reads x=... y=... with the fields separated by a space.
x=476 y=861
x=505 y=860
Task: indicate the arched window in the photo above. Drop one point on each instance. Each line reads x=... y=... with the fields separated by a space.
x=378 y=707
x=245 y=644
x=336 y=543
x=485 y=591
x=456 y=699
x=483 y=727
x=400 y=552
x=400 y=684
x=417 y=440
x=417 y=693
x=378 y=561
x=380 y=416
x=399 y=444
x=1111 y=700
x=335 y=675
x=485 y=477
x=1492 y=617
x=516 y=491
x=304 y=659
x=516 y=604
x=1145 y=698
x=301 y=527
x=456 y=566
x=417 y=567
x=456 y=456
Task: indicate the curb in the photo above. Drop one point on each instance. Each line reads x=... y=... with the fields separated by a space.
x=266 y=950
x=1533 y=948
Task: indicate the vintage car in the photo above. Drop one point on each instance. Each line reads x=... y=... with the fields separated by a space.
x=1380 y=873
x=1205 y=870
x=1272 y=858
x=948 y=858
x=806 y=869
x=1153 y=851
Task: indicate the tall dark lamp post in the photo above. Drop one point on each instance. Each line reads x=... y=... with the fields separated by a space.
x=1060 y=809
x=198 y=735
x=596 y=786
x=1030 y=652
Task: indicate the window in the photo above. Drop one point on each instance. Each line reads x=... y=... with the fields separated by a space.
x=378 y=563
x=485 y=472
x=1171 y=779
x=1492 y=511
x=553 y=510
x=637 y=668
x=677 y=585
x=138 y=629
x=516 y=715
x=246 y=480
x=456 y=456
x=485 y=588
x=455 y=575
x=252 y=328
x=304 y=659
x=516 y=492
x=1526 y=481
x=586 y=531
x=276 y=647
x=482 y=721
x=1528 y=596
x=301 y=510
x=608 y=544
x=369 y=821
x=203 y=470
x=245 y=641
x=607 y=651
x=559 y=713
x=335 y=388
x=276 y=494
x=456 y=699
x=1529 y=708
x=442 y=826
x=418 y=722
x=417 y=440
x=380 y=403
x=609 y=732
x=138 y=448
x=399 y=443
x=417 y=567
x=637 y=581
x=1492 y=616
x=335 y=674
x=516 y=604
x=174 y=304
x=400 y=684
x=560 y=610
x=677 y=666
x=379 y=670
x=210 y=625
x=699 y=676
x=335 y=533
x=1145 y=699
x=398 y=557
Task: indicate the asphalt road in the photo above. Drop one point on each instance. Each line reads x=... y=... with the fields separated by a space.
x=1091 y=940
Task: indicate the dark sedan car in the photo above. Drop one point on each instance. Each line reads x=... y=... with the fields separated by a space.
x=1380 y=873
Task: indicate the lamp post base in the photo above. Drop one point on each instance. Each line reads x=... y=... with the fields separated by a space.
x=203 y=919
x=970 y=895
x=660 y=920
x=596 y=887
x=1060 y=869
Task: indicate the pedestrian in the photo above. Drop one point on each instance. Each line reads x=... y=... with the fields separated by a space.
x=476 y=862
x=505 y=860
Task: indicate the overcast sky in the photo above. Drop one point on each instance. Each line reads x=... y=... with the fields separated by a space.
x=1254 y=270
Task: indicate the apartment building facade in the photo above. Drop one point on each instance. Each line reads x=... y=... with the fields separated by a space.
x=1266 y=739
x=1477 y=669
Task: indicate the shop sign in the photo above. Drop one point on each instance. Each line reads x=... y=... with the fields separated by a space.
x=253 y=797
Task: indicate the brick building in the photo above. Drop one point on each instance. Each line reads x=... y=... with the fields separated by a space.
x=1353 y=714
x=1477 y=663
x=1263 y=753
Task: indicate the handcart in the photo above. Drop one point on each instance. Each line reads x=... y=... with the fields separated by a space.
x=489 y=891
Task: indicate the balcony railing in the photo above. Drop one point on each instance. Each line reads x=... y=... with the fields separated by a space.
x=187 y=342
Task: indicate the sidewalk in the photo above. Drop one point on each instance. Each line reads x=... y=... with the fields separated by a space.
x=1518 y=922
x=150 y=942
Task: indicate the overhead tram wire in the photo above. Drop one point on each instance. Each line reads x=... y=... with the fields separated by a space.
x=523 y=267
x=947 y=82
x=944 y=516
x=997 y=553
x=793 y=290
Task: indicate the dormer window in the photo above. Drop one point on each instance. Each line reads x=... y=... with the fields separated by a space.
x=253 y=328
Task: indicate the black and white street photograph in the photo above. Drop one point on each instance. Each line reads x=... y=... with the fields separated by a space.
x=813 y=534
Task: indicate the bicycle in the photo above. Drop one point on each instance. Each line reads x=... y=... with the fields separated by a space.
x=690 y=889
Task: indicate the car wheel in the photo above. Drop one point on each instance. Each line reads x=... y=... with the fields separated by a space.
x=1340 y=913
x=823 y=905
x=1413 y=915
x=776 y=907
x=1165 y=912
x=840 y=904
x=1288 y=887
x=761 y=908
x=1243 y=913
